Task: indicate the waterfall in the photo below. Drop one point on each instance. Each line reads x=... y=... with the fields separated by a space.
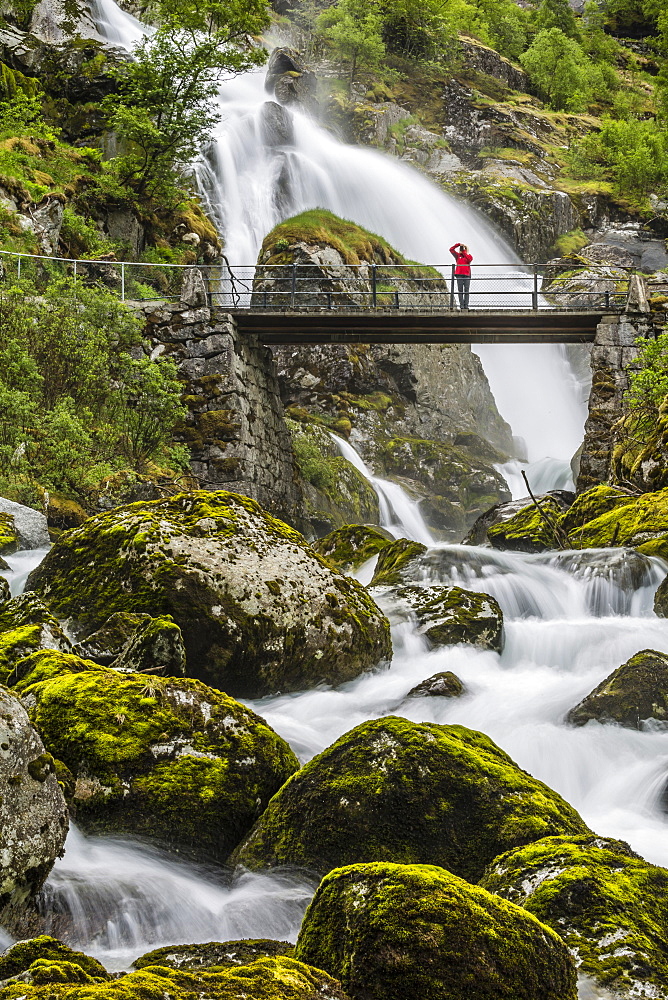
x=398 y=513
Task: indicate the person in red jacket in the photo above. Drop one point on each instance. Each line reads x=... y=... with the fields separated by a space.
x=462 y=272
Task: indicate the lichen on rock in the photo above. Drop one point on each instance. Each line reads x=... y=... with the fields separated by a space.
x=33 y=814
x=397 y=563
x=348 y=547
x=607 y=903
x=21 y=956
x=635 y=692
x=394 y=790
x=447 y=616
x=167 y=758
x=259 y=610
x=417 y=931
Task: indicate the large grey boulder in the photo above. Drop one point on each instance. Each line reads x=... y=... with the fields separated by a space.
x=31 y=526
x=259 y=610
x=33 y=814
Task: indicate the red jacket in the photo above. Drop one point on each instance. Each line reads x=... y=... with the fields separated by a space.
x=463 y=260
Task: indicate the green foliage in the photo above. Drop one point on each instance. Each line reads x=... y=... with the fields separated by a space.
x=648 y=379
x=557 y=14
x=164 y=107
x=633 y=154
x=353 y=30
x=559 y=69
x=74 y=406
x=81 y=238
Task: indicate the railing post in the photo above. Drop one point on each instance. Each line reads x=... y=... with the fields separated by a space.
x=123 y=281
x=294 y=284
x=607 y=299
x=19 y=268
x=396 y=298
x=452 y=287
x=373 y=286
x=75 y=273
x=534 y=296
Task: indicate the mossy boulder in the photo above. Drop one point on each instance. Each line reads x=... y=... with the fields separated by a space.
x=26 y=625
x=642 y=520
x=33 y=814
x=348 y=547
x=165 y=758
x=530 y=530
x=9 y=537
x=214 y=954
x=592 y=504
x=266 y=979
x=259 y=610
x=394 y=790
x=607 y=903
x=45 y=664
x=156 y=646
x=442 y=685
x=397 y=563
x=447 y=616
x=5 y=590
x=636 y=691
x=418 y=932
x=661 y=599
x=21 y=956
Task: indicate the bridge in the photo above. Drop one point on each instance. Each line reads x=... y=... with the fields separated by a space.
x=326 y=303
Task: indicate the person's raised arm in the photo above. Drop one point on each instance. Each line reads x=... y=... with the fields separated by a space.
x=454 y=248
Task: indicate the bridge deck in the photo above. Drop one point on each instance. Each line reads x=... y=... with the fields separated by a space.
x=417 y=327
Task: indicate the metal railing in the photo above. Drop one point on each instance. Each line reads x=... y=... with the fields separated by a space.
x=316 y=287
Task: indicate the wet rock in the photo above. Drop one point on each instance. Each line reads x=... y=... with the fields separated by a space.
x=165 y=758
x=108 y=642
x=5 y=592
x=259 y=610
x=156 y=646
x=31 y=526
x=412 y=793
x=442 y=685
x=290 y=80
x=277 y=125
x=214 y=953
x=416 y=931
x=557 y=501
x=33 y=814
x=635 y=692
x=22 y=956
x=398 y=563
x=26 y=625
x=450 y=615
x=608 y=905
x=348 y=547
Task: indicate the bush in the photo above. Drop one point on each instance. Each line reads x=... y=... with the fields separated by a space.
x=633 y=154
x=74 y=405
x=649 y=379
x=560 y=70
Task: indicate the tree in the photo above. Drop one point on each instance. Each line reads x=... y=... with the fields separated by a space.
x=557 y=14
x=165 y=107
x=559 y=68
x=353 y=29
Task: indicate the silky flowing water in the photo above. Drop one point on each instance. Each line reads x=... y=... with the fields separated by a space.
x=570 y=618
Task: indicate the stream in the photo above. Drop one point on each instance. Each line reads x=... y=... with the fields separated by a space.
x=570 y=618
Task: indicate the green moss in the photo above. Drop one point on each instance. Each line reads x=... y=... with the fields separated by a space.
x=528 y=530
x=22 y=955
x=395 y=562
x=354 y=243
x=169 y=759
x=591 y=504
x=642 y=520
x=9 y=539
x=570 y=243
x=420 y=933
x=393 y=790
x=608 y=904
x=45 y=664
x=214 y=953
x=348 y=547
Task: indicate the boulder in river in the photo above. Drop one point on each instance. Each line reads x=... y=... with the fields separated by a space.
x=33 y=814
x=218 y=953
x=636 y=691
x=413 y=793
x=518 y=525
x=442 y=685
x=259 y=610
x=417 y=931
x=30 y=527
x=348 y=547
x=397 y=563
x=607 y=903
x=166 y=758
x=45 y=949
x=447 y=616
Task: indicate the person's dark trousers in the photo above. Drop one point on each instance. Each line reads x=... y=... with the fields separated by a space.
x=463 y=282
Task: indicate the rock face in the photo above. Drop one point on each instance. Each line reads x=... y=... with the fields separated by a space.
x=393 y=790
x=416 y=931
x=258 y=609
x=608 y=905
x=450 y=615
x=636 y=691
x=290 y=80
x=33 y=814
x=170 y=759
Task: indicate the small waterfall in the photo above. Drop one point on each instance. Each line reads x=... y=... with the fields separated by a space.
x=398 y=513
x=117 y=899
